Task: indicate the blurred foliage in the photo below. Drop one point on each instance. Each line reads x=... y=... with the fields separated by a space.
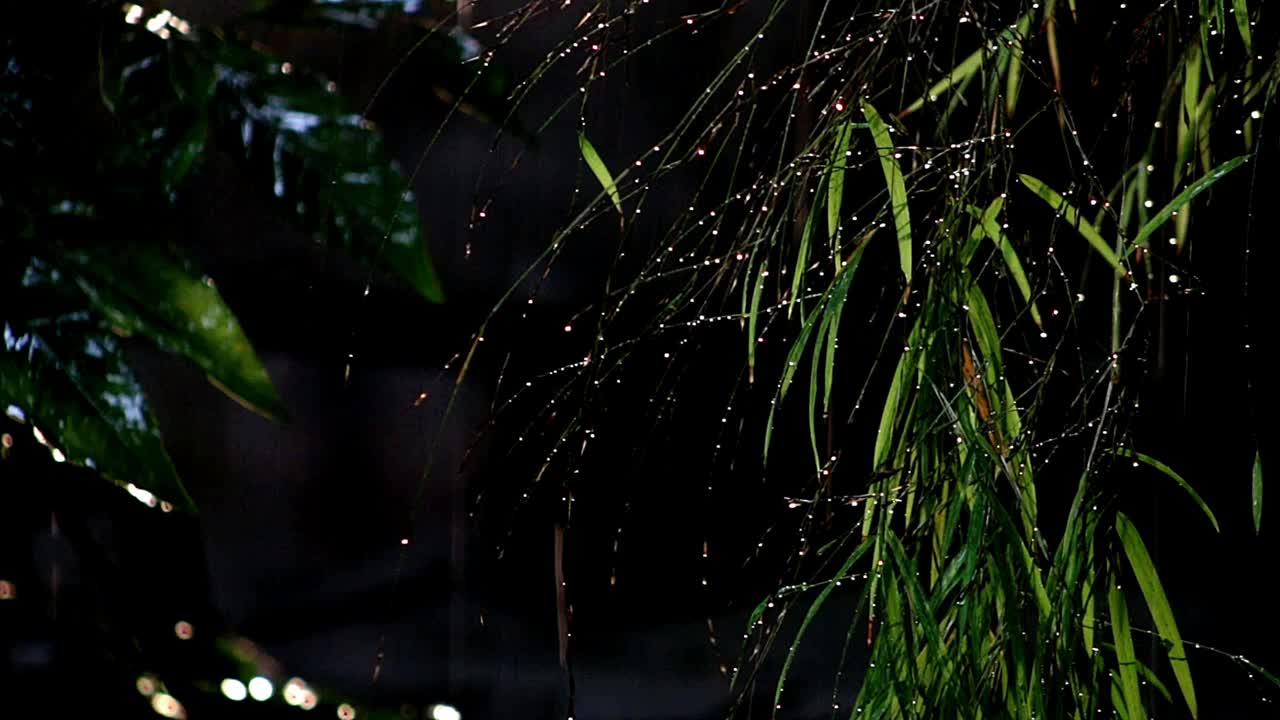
x=100 y=135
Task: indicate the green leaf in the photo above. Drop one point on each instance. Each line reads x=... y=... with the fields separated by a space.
x=1158 y=605
x=839 y=293
x=802 y=262
x=72 y=381
x=1013 y=81
x=146 y=290
x=599 y=170
x=835 y=185
x=1183 y=483
x=796 y=352
x=1241 y=8
x=1257 y=491
x=964 y=72
x=814 y=607
x=1087 y=231
x=897 y=186
x=326 y=165
x=1183 y=198
x=753 y=320
x=1125 y=657
x=991 y=228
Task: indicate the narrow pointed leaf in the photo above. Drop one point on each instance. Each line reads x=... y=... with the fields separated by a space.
x=1125 y=657
x=896 y=184
x=753 y=320
x=1158 y=605
x=991 y=228
x=1241 y=8
x=1257 y=492
x=1069 y=213
x=599 y=169
x=812 y=612
x=835 y=185
x=1186 y=196
x=1182 y=483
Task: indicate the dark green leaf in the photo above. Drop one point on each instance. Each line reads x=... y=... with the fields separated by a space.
x=71 y=380
x=146 y=290
x=326 y=165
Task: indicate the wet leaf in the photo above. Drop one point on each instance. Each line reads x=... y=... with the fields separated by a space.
x=71 y=379
x=1125 y=657
x=812 y=612
x=1069 y=213
x=1195 y=497
x=1185 y=197
x=327 y=166
x=1158 y=605
x=600 y=170
x=153 y=292
x=897 y=186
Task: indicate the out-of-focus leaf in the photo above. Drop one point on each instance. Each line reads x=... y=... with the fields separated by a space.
x=146 y=290
x=450 y=60
x=1257 y=492
x=327 y=165
x=70 y=378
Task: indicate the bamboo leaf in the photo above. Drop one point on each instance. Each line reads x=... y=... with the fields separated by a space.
x=964 y=70
x=1069 y=213
x=1183 y=483
x=1158 y=605
x=1241 y=11
x=1013 y=81
x=753 y=320
x=967 y=67
x=1125 y=657
x=897 y=391
x=802 y=263
x=1257 y=492
x=1186 y=196
x=897 y=186
x=835 y=186
x=798 y=348
x=1206 y=19
x=835 y=309
x=814 y=607
x=599 y=169
x=991 y=228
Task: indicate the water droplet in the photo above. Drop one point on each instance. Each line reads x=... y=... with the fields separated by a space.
x=233 y=689
x=260 y=689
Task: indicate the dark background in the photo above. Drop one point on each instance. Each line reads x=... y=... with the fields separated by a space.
x=298 y=542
